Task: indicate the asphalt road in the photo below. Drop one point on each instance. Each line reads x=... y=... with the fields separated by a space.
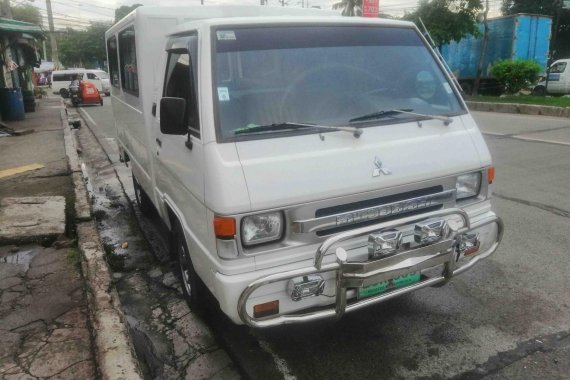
x=509 y=317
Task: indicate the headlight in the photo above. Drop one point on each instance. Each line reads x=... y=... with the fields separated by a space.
x=262 y=228
x=468 y=185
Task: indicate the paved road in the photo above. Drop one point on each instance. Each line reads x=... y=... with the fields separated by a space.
x=507 y=318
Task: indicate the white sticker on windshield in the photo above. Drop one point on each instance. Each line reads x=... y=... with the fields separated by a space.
x=448 y=88
x=226 y=35
x=223 y=94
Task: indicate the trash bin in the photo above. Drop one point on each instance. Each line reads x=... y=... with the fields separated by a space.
x=11 y=104
x=29 y=101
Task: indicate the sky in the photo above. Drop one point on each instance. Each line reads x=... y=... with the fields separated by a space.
x=77 y=14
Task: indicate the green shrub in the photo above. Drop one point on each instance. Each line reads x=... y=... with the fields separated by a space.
x=516 y=75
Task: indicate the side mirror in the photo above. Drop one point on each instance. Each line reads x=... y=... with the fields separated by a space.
x=173 y=116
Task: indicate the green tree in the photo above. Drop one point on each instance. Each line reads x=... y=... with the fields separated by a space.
x=84 y=48
x=349 y=7
x=27 y=13
x=541 y=7
x=124 y=10
x=447 y=20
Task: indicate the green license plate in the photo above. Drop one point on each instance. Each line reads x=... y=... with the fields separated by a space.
x=396 y=282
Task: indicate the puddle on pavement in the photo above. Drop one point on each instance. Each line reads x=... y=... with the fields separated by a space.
x=21 y=257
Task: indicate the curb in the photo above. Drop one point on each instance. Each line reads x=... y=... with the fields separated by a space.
x=114 y=352
x=526 y=109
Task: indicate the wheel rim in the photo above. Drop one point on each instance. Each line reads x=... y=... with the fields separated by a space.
x=184 y=268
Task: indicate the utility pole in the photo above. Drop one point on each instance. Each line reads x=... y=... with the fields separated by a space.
x=54 y=53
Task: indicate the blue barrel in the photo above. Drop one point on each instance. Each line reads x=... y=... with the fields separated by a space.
x=11 y=104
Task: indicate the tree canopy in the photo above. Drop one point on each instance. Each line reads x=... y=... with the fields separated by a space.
x=27 y=13
x=84 y=48
x=124 y=10
x=349 y=7
x=541 y=7
x=447 y=20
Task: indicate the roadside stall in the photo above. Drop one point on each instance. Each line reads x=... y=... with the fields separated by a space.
x=18 y=55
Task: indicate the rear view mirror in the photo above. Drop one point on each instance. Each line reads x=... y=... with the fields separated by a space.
x=173 y=116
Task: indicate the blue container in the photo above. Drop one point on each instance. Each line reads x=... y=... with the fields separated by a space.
x=11 y=104
x=520 y=36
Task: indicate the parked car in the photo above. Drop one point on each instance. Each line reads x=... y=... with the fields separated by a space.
x=60 y=80
x=307 y=165
x=558 y=80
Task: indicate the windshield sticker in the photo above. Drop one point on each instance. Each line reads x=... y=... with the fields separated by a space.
x=226 y=35
x=448 y=88
x=223 y=94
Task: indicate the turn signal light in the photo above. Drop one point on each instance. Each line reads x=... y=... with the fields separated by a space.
x=224 y=227
x=266 y=309
x=491 y=174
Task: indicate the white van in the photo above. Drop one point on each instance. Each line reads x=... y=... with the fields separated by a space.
x=307 y=165
x=558 y=79
x=60 y=80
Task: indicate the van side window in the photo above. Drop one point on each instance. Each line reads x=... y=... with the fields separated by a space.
x=128 y=58
x=559 y=68
x=91 y=76
x=179 y=83
x=113 y=61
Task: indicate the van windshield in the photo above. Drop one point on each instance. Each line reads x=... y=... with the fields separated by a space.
x=325 y=75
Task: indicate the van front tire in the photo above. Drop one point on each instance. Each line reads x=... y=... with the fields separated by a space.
x=192 y=286
x=143 y=201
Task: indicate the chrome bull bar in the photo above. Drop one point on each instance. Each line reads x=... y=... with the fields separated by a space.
x=357 y=274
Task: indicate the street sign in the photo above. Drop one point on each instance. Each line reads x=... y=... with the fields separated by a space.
x=369 y=8
x=566 y=4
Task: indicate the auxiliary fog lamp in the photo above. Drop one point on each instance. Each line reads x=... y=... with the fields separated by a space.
x=305 y=286
x=383 y=243
x=430 y=232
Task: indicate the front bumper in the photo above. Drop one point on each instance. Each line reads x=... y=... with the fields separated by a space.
x=357 y=274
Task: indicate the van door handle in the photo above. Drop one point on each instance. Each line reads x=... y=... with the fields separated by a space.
x=153 y=109
x=159 y=142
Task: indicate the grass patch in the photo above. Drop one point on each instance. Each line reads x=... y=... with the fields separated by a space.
x=524 y=99
x=74 y=257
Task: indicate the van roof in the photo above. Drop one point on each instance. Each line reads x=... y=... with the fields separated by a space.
x=339 y=20
x=200 y=12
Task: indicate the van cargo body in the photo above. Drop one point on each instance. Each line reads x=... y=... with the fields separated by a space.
x=521 y=36
x=307 y=164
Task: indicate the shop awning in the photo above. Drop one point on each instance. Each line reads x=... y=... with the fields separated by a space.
x=7 y=25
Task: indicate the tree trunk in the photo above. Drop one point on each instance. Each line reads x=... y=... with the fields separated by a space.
x=483 y=49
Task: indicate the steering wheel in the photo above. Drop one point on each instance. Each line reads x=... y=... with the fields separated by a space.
x=334 y=104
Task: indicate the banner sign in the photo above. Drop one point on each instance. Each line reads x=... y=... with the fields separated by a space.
x=369 y=8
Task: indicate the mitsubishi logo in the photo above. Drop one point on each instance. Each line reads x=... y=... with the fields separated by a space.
x=379 y=169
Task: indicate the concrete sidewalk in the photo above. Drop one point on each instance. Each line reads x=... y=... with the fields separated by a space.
x=525 y=109
x=44 y=321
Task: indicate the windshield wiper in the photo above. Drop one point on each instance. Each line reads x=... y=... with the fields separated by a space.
x=381 y=114
x=356 y=132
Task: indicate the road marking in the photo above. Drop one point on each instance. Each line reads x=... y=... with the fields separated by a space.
x=280 y=363
x=81 y=110
x=531 y=139
x=541 y=140
x=19 y=170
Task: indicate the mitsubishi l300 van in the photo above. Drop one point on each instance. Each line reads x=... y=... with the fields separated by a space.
x=307 y=165
x=558 y=80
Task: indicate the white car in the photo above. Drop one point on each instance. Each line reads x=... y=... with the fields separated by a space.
x=558 y=80
x=61 y=79
x=307 y=165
